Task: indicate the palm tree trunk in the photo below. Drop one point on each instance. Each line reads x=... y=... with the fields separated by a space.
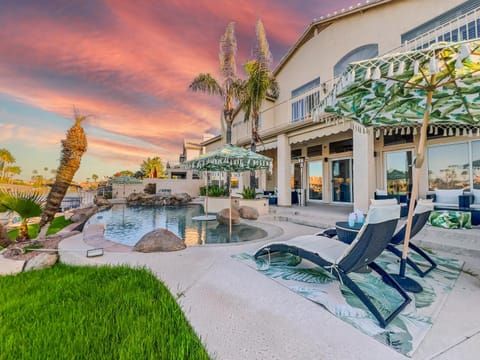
x=4 y=239
x=23 y=231
x=74 y=147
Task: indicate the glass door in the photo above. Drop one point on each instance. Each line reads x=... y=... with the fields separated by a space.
x=315 y=180
x=342 y=190
x=398 y=165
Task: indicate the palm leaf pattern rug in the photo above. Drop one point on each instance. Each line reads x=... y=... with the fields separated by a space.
x=405 y=332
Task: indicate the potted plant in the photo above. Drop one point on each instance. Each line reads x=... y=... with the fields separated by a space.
x=249 y=199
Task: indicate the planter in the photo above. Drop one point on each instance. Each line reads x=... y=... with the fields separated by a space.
x=260 y=204
x=215 y=204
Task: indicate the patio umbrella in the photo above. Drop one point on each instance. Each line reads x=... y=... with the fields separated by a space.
x=229 y=158
x=435 y=88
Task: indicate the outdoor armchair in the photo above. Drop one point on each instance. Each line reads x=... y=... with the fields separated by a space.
x=420 y=218
x=341 y=259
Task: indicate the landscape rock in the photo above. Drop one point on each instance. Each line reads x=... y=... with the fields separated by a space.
x=101 y=201
x=159 y=240
x=247 y=212
x=41 y=261
x=82 y=215
x=223 y=216
x=158 y=199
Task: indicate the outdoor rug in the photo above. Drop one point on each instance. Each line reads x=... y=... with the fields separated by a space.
x=405 y=332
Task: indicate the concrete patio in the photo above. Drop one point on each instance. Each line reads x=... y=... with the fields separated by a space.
x=241 y=314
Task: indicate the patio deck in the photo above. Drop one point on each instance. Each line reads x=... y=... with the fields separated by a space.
x=241 y=314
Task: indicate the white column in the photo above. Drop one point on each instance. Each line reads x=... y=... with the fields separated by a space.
x=283 y=171
x=363 y=170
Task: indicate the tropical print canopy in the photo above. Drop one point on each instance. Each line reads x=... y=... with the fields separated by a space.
x=391 y=91
x=230 y=158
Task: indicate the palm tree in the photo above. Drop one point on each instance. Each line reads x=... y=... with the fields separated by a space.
x=26 y=205
x=259 y=85
x=152 y=166
x=13 y=170
x=228 y=90
x=5 y=158
x=73 y=147
x=95 y=177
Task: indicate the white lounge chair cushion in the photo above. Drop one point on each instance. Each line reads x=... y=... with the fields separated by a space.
x=381 y=192
x=326 y=248
x=424 y=205
x=333 y=250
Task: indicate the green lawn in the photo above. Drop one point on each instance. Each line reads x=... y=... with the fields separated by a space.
x=57 y=224
x=69 y=312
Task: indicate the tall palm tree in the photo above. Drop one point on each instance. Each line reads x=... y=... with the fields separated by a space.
x=26 y=205
x=73 y=147
x=231 y=83
x=13 y=170
x=5 y=158
x=259 y=85
x=152 y=167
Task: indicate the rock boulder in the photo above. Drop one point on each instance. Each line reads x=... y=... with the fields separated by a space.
x=247 y=212
x=101 y=201
x=223 y=216
x=158 y=199
x=159 y=240
x=82 y=215
x=41 y=261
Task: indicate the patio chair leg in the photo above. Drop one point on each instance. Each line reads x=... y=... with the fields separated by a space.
x=425 y=256
x=390 y=281
x=410 y=262
x=368 y=303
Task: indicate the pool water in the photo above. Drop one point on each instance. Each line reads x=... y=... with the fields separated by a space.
x=127 y=224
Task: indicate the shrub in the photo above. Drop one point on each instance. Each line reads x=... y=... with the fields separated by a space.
x=217 y=191
x=248 y=193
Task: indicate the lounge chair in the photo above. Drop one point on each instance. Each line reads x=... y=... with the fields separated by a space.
x=420 y=218
x=341 y=259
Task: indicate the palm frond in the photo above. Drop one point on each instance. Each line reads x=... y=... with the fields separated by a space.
x=228 y=51
x=206 y=83
x=25 y=204
x=262 y=49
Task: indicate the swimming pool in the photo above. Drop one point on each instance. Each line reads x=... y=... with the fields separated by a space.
x=127 y=224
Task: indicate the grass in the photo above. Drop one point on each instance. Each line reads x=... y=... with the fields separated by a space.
x=68 y=312
x=57 y=224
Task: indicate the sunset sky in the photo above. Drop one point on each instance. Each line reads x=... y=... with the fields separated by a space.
x=128 y=64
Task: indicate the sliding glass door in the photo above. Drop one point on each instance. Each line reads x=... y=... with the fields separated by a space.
x=342 y=174
x=315 y=180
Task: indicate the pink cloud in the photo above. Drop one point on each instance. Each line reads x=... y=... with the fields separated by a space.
x=129 y=64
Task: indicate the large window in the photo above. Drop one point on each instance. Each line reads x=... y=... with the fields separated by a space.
x=304 y=105
x=459 y=23
x=361 y=53
x=398 y=172
x=476 y=164
x=315 y=180
x=449 y=166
